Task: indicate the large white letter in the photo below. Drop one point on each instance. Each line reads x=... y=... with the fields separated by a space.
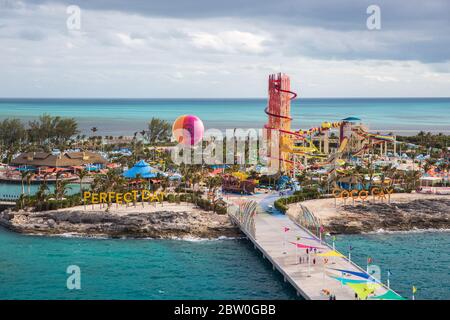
x=374 y=20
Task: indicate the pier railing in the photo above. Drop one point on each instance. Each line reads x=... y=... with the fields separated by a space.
x=305 y=218
x=244 y=216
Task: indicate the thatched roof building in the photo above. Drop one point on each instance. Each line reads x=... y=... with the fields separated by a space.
x=69 y=159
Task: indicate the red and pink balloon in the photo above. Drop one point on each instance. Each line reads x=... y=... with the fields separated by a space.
x=188 y=130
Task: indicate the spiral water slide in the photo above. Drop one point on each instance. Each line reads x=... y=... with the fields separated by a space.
x=299 y=136
x=377 y=138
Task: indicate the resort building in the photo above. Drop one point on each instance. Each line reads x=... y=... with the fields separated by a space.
x=61 y=160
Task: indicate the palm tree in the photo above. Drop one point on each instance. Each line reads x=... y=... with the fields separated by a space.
x=41 y=194
x=23 y=177
x=81 y=174
x=29 y=177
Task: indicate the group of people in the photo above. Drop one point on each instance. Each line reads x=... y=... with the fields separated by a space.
x=302 y=259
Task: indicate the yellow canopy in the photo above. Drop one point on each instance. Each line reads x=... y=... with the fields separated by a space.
x=363 y=289
x=331 y=253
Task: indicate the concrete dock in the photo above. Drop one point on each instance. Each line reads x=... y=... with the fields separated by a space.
x=313 y=280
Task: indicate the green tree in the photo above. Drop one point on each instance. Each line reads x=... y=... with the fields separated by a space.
x=158 y=131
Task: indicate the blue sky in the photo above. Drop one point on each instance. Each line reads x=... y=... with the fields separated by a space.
x=200 y=48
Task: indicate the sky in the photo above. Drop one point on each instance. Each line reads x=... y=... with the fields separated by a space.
x=223 y=49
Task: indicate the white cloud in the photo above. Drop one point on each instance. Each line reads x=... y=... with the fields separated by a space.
x=130 y=41
x=229 y=41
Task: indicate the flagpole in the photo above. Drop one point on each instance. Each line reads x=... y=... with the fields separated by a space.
x=388 y=280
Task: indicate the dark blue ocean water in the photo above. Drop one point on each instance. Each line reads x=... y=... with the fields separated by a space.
x=126 y=116
x=34 y=267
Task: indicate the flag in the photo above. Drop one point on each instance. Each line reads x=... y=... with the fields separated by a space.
x=414 y=289
x=389 y=273
x=350 y=248
x=286 y=229
x=369 y=260
x=321 y=229
x=334 y=238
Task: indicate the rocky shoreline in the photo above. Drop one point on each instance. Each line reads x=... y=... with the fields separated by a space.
x=158 y=223
x=404 y=213
x=415 y=215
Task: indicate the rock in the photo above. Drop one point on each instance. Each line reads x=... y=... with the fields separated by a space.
x=417 y=214
x=159 y=224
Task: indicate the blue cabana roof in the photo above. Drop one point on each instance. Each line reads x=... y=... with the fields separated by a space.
x=351 y=119
x=141 y=169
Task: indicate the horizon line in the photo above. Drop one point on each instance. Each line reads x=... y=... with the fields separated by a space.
x=208 y=98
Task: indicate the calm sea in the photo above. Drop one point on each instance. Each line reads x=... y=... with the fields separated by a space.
x=33 y=267
x=126 y=116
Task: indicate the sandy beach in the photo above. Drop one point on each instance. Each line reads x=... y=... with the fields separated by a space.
x=404 y=212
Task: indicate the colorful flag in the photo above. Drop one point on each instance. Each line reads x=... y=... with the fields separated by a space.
x=334 y=238
x=286 y=229
x=322 y=229
x=414 y=289
x=369 y=260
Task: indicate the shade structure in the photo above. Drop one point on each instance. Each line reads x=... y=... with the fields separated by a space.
x=389 y=295
x=363 y=289
x=331 y=253
x=355 y=273
x=346 y=280
x=141 y=170
x=304 y=246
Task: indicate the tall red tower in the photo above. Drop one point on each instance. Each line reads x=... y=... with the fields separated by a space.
x=278 y=127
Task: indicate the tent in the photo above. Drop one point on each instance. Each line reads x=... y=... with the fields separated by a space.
x=141 y=169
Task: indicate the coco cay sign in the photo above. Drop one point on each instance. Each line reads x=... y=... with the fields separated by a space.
x=377 y=193
x=122 y=197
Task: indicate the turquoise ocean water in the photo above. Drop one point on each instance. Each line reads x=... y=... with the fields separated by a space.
x=124 y=117
x=34 y=267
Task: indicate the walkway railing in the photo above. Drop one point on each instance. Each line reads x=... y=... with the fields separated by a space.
x=243 y=215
